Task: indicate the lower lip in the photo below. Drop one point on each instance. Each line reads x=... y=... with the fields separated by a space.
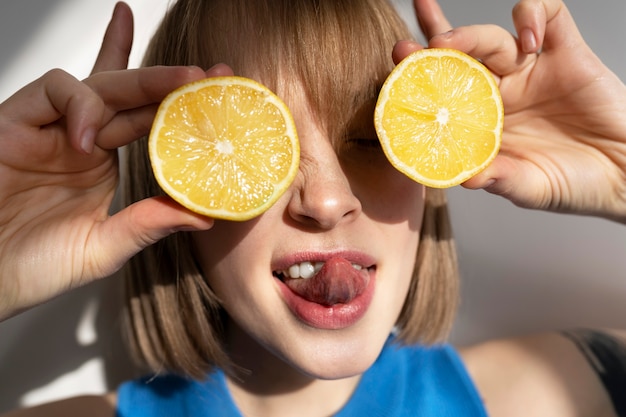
x=335 y=317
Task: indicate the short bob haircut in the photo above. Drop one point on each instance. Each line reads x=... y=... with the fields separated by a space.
x=339 y=52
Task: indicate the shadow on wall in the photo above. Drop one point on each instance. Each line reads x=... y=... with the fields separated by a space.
x=44 y=343
x=17 y=21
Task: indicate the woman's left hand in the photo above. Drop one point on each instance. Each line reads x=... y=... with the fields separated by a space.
x=564 y=141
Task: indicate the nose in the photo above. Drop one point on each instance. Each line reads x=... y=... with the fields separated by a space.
x=321 y=194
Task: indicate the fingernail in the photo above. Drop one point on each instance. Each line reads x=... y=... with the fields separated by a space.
x=528 y=40
x=196 y=228
x=489 y=183
x=445 y=35
x=88 y=140
x=219 y=69
x=440 y=39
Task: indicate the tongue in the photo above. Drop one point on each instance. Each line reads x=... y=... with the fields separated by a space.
x=337 y=282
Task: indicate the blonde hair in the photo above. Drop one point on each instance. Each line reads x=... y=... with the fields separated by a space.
x=339 y=51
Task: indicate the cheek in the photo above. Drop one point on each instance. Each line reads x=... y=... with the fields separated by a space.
x=406 y=197
x=220 y=251
x=392 y=198
x=228 y=270
x=397 y=203
x=386 y=194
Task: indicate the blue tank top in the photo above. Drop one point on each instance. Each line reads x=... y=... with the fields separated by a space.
x=404 y=381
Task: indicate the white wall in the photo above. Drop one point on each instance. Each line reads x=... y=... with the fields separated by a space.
x=526 y=270
x=522 y=270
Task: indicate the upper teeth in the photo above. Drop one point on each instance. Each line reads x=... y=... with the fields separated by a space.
x=308 y=269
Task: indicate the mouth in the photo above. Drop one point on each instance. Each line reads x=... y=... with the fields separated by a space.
x=336 y=281
x=306 y=270
x=332 y=293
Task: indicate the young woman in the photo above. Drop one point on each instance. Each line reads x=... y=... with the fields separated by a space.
x=219 y=311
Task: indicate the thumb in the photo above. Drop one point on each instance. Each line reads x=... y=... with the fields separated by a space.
x=404 y=48
x=140 y=225
x=499 y=177
x=507 y=177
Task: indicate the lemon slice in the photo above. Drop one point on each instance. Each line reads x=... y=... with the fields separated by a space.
x=224 y=147
x=439 y=117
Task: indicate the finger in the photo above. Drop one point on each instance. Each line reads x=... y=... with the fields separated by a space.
x=529 y=18
x=544 y=24
x=504 y=176
x=126 y=127
x=493 y=45
x=128 y=89
x=219 y=70
x=117 y=42
x=404 y=48
x=431 y=18
x=140 y=225
x=137 y=96
x=53 y=96
x=489 y=178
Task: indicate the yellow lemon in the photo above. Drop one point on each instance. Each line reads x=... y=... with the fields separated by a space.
x=439 y=117
x=224 y=147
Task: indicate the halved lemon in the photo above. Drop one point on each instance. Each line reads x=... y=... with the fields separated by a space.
x=224 y=147
x=439 y=117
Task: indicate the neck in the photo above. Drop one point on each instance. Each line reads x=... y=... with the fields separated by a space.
x=264 y=385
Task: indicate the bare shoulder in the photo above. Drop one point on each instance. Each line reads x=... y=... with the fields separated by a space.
x=93 y=406
x=538 y=375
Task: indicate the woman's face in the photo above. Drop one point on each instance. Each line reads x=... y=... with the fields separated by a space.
x=318 y=281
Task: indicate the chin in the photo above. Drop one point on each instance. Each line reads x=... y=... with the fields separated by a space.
x=337 y=356
x=340 y=369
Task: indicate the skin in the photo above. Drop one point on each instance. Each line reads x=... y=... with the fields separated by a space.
x=345 y=198
x=536 y=375
x=59 y=173
x=560 y=115
x=85 y=121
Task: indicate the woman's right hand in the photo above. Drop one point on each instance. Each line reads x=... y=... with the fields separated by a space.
x=59 y=173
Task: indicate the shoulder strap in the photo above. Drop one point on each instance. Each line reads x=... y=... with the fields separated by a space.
x=607 y=356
